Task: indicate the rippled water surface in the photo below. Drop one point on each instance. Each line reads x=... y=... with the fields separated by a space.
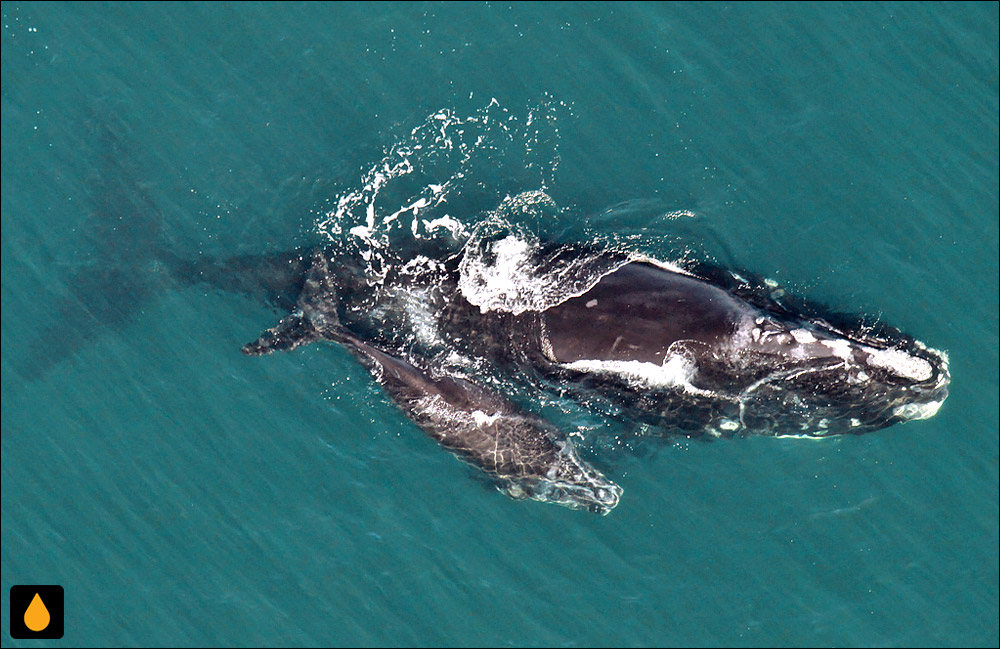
x=183 y=493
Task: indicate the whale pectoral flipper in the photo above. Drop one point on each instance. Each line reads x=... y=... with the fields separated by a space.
x=314 y=317
x=526 y=456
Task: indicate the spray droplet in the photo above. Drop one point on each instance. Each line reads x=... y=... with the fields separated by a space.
x=37 y=616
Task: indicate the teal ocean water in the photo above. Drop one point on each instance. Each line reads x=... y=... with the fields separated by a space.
x=183 y=493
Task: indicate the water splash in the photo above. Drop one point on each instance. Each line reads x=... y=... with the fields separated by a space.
x=427 y=191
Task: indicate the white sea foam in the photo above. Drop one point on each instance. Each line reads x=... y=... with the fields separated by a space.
x=503 y=267
x=454 y=226
x=508 y=284
x=448 y=153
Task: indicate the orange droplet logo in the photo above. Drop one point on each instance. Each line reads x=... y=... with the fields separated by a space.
x=37 y=616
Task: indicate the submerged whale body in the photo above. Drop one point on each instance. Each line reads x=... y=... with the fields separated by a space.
x=701 y=352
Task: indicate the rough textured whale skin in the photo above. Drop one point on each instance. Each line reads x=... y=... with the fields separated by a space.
x=525 y=455
x=704 y=351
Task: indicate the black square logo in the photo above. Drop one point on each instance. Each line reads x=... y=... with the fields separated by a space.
x=36 y=612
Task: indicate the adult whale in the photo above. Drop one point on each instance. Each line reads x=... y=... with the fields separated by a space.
x=698 y=351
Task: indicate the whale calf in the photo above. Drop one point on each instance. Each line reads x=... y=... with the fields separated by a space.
x=521 y=452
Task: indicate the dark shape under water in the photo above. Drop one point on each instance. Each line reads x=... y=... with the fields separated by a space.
x=122 y=261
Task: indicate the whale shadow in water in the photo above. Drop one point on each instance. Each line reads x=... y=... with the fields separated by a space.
x=124 y=260
x=119 y=267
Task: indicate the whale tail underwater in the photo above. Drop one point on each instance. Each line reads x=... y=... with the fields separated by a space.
x=122 y=260
x=696 y=350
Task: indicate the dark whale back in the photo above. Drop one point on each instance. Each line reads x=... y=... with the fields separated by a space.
x=637 y=313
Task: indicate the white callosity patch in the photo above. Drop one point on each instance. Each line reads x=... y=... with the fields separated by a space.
x=841 y=348
x=911 y=411
x=901 y=364
x=803 y=336
x=483 y=419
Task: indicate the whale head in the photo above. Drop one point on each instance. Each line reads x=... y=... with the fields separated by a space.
x=827 y=382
